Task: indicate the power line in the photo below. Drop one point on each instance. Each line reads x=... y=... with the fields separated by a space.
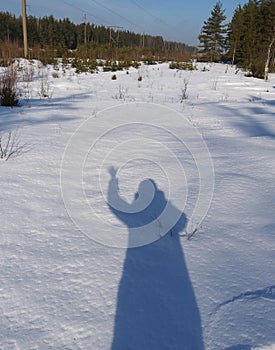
x=86 y=12
x=30 y=7
x=107 y=8
x=117 y=14
x=152 y=15
x=146 y=11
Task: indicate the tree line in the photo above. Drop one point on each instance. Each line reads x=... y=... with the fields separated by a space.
x=248 y=40
x=59 y=35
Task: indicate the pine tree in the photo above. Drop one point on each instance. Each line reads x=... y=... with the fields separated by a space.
x=212 y=37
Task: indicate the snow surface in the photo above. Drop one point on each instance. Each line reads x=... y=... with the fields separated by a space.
x=61 y=289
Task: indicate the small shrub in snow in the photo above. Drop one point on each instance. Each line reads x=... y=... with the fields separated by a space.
x=121 y=95
x=25 y=70
x=44 y=89
x=9 y=145
x=183 y=95
x=65 y=63
x=214 y=84
x=8 y=87
x=205 y=69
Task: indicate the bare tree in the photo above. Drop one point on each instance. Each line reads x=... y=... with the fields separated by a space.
x=268 y=57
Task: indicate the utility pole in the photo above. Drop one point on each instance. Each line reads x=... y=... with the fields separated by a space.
x=117 y=28
x=111 y=38
x=24 y=22
x=85 y=28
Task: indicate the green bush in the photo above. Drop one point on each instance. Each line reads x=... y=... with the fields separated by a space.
x=80 y=66
x=149 y=61
x=135 y=64
x=92 y=66
x=110 y=66
x=182 y=65
x=8 y=88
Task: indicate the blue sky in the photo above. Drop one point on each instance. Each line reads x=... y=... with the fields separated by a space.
x=179 y=20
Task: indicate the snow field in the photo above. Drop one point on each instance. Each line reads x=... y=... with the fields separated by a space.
x=59 y=289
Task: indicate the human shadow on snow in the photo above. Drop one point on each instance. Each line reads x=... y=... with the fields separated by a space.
x=156 y=304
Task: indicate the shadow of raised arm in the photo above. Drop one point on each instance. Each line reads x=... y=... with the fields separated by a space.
x=115 y=202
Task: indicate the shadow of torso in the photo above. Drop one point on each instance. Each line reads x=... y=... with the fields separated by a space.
x=156 y=305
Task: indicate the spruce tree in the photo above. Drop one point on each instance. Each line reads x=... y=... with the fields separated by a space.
x=252 y=37
x=212 y=37
x=267 y=30
x=235 y=33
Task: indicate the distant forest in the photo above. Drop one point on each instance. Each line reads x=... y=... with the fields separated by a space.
x=59 y=35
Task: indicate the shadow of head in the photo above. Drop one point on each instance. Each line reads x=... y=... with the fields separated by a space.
x=148 y=189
